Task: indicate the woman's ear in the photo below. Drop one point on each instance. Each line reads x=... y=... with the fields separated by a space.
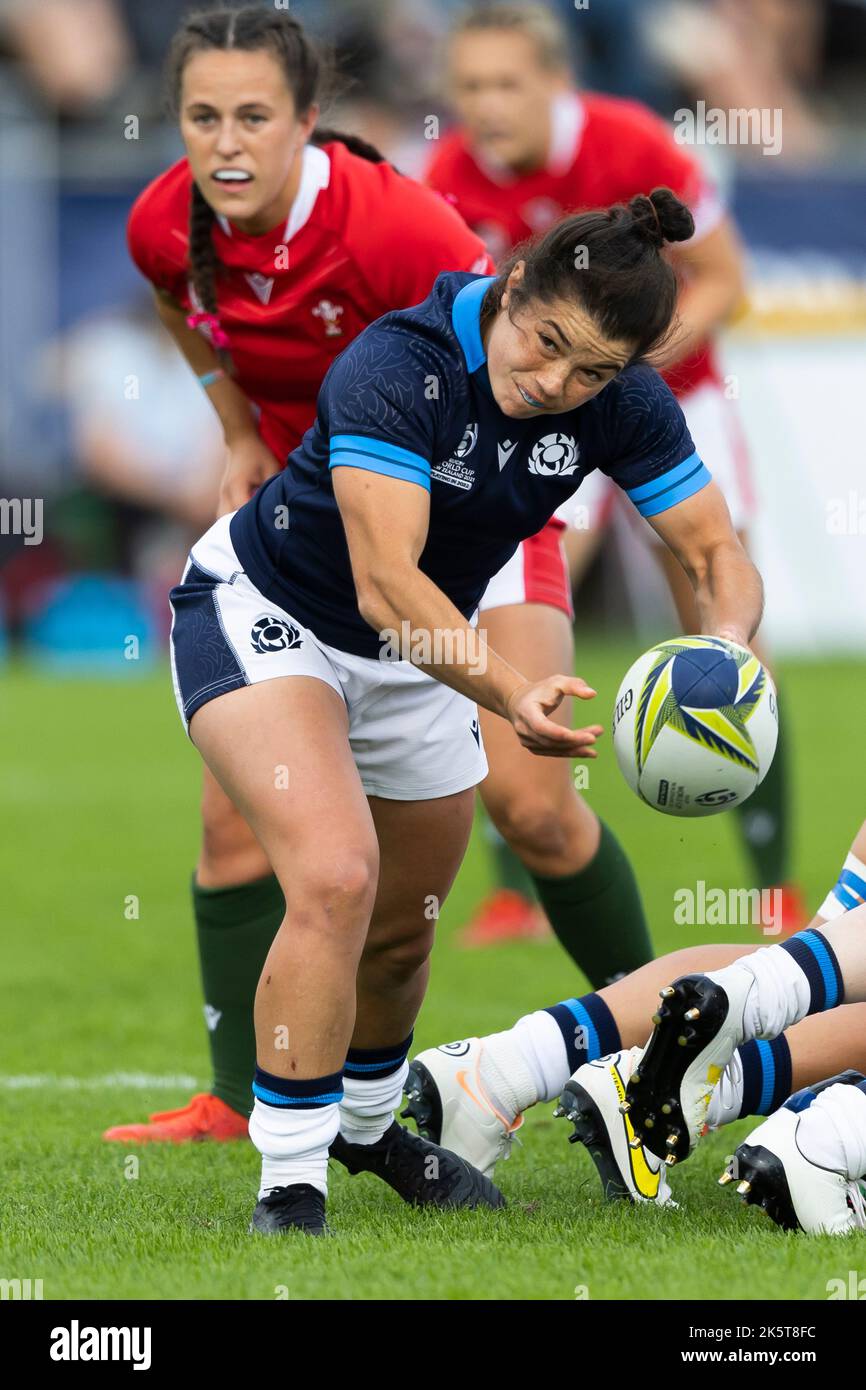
x=514 y=279
x=307 y=122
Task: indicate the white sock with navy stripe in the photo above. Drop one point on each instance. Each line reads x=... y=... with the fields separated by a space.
x=832 y=1131
x=372 y=1090
x=534 y=1059
x=293 y=1125
x=796 y=978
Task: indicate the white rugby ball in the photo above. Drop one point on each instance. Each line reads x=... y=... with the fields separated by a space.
x=695 y=725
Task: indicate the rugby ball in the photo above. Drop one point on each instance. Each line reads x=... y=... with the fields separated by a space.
x=695 y=725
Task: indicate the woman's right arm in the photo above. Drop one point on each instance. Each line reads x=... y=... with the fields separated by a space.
x=250 y=461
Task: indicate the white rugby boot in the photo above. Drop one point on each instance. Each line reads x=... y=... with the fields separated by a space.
x=593 y=1100
x=453 y=1100
x=698 y=1027
x=772 y=1172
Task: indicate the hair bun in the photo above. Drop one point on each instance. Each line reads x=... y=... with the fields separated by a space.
x=661 y=217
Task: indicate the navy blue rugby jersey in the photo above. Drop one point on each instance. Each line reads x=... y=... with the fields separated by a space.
x=411 y=398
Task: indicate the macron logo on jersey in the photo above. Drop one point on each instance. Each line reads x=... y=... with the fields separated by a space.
x=505 y=451
x=261 y=285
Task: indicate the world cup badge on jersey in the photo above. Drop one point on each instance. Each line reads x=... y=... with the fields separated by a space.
x=555 y=455
x=454 y=470
x=329 y=314
x=468 y=442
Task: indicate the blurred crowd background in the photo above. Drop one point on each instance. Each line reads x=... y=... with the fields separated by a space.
x=125 y=484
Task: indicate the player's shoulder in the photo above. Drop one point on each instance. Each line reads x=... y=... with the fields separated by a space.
x=157 y=225
x=417 y=342
x=639 y=385
x=376 y=196
x=165 y=200
x=638 y=401
x=621 y=116
x=450 y=157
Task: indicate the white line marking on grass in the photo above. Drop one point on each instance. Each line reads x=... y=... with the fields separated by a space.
x=115 y=1080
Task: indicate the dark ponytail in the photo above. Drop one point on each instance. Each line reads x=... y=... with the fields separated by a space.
x=354 y=144
x=609 y=263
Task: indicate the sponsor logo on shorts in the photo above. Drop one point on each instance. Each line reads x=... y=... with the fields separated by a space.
x=475 y=732
x=554 y=456
x=271 y=634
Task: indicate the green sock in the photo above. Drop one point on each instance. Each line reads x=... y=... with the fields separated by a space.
x=597 y=914
x=510 y=872
x=765 y=823
x=235 y=929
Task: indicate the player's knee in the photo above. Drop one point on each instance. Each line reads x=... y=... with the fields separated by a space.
x=230 y=852
x=532 y=826
x=338 y=893
x=399 y=958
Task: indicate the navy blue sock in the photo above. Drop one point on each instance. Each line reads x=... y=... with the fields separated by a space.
x=280 y=1092
x=766 y=1075
x=817 y=960
x=801 y=1100
x=371 y=1063
x=588 y=1028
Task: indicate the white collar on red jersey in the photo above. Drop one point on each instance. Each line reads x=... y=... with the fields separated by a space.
x=315 y=175
x=567 y=120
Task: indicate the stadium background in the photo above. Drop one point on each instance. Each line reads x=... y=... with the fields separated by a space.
x=102 y=421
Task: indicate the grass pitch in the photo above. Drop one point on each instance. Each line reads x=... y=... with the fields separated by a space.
x=102 y=1023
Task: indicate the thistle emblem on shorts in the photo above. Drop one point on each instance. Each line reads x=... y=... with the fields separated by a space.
x=272 y=634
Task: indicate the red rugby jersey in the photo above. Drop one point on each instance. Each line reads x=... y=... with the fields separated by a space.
x=603 y=150
x=360 y=240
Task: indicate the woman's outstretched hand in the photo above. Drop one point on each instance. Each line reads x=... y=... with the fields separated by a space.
x=529 y=708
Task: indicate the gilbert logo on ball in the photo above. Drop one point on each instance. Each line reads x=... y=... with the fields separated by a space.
x=695 y=725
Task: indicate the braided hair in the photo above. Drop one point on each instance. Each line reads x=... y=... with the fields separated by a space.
x=250 y=28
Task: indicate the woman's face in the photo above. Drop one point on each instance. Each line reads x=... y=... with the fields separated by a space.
x=243 y=135
x=548 y=357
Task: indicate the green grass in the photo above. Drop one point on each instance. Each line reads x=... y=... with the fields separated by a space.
x=99 y=794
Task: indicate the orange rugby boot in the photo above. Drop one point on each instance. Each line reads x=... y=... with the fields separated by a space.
x=205 y=1118
x=504 y=916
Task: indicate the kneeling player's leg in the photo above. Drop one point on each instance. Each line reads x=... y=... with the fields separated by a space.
x=582 y=876
x=531 y=1061
x=804 y=1164
x=280 y=750
x=705 y=1017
